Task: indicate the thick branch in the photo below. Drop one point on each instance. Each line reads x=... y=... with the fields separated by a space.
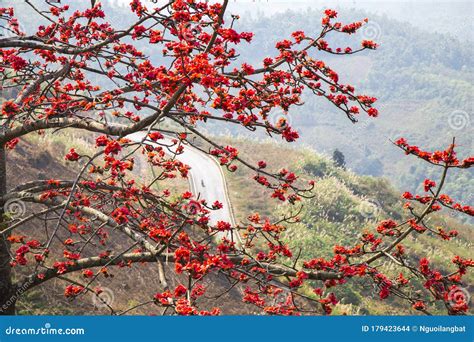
x=277 y=270
x=84 y=123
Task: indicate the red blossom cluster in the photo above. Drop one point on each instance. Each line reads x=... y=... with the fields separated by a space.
x=447 y=156
x=202 y=80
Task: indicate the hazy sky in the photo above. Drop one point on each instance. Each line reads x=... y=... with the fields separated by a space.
x=453 y=16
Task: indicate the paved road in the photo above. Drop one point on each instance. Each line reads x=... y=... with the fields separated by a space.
x=207 y=180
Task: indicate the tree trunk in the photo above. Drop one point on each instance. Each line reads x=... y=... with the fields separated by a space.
x=7 y=297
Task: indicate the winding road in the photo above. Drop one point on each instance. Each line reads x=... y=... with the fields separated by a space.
x=208 y=182
x=206 y=179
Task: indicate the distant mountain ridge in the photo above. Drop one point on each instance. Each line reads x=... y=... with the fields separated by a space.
x=424 y=82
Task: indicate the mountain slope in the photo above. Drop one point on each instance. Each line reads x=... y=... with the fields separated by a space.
x=37 y=158
x=343 y=207
x=424 y=82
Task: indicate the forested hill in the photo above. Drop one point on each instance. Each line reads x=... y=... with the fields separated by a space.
x=424 y=82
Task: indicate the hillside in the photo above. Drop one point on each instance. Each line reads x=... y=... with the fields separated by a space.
x=39 y=158
x=424 y=82
x=343 y=207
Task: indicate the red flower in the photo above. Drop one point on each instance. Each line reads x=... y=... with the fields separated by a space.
x=155 y=136
x=184 y=308
x=419 y=305
x=330 y=13
x=253 y=298
x=138 y=30
x=373 y=112
x=401 y=279
x=163 y=298
x=424 y=266
x=113 y=147
x=39 y=257
x=101 y=141
x=187 y=195
x=384 y=292
x=71 y=256
x=289 y=135
x=12 y=143
x=180 y=290
x=73 y=291
x=299 y=36
x=248 y=69
x=121 y=214
x=222 y=226
x=34 y=244
x=388 y=227
x=9 y=108
x=217 y=205
x=88 y=273
x=155 y=36
x=72 y=155
x=369 y=44
x=428 y=184
x=17 y=63
x=283 y=45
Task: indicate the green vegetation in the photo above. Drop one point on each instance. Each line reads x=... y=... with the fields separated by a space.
x=424 y=83
x=343 y=207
